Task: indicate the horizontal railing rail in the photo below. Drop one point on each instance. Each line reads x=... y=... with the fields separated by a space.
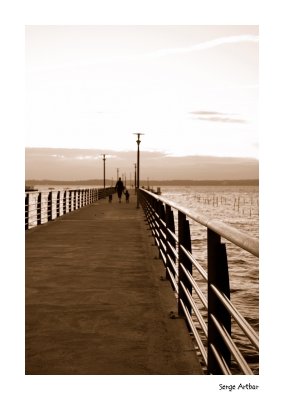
x=45 y=206
x=203 y=292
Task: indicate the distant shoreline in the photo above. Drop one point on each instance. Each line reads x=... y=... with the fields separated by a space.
x=175 y=182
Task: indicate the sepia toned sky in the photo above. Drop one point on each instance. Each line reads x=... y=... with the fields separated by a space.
x=193 y=90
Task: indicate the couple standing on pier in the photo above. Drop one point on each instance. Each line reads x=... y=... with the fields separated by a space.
x=119 y=187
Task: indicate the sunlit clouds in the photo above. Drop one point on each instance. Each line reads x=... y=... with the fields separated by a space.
x=217 y=117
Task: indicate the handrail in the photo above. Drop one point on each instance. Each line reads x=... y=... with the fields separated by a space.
x=231 y=345
x=240 y=320
x=203 y=293
x=47 y=205
x=228 y=232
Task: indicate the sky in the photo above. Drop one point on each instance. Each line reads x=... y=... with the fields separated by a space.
x=192 y=90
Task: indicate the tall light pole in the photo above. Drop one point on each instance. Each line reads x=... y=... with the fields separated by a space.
x=104 y=160
x=138 y=141
x=135 y=183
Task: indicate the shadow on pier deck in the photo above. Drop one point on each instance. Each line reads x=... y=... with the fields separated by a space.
x=95 y=301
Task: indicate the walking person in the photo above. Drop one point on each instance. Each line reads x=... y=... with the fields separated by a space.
x=119 y=188
x=127 y=196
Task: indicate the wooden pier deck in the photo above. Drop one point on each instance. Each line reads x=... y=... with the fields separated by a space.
x=95 y=300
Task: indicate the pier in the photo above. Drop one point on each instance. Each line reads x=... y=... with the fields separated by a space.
x=116 y=288
x=96 y=298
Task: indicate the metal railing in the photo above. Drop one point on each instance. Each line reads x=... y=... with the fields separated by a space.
x=45 y=206
x=203 y=293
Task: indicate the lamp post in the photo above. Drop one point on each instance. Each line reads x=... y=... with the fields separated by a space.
x=135 y=183
x=138 y=141
x=104 y=160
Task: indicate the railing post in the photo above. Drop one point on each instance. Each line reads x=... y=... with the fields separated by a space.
x=79 y=198
x=152 y=218
x=184 y=239
x=218 y=276
x=64 y=202
x=170 y=225
x=69 y=200
x=161 y=217
x=49 y=206
x=74 y=199
x=58 y=204
x=38 y=209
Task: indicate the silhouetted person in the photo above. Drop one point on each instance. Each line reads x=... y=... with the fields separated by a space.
x=119 y=188
x=127 y=195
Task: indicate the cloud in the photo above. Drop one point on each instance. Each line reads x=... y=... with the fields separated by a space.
x=209 y=44
x=85 y=157
x=57 y=155
x=206 y=45
x=215 y=116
